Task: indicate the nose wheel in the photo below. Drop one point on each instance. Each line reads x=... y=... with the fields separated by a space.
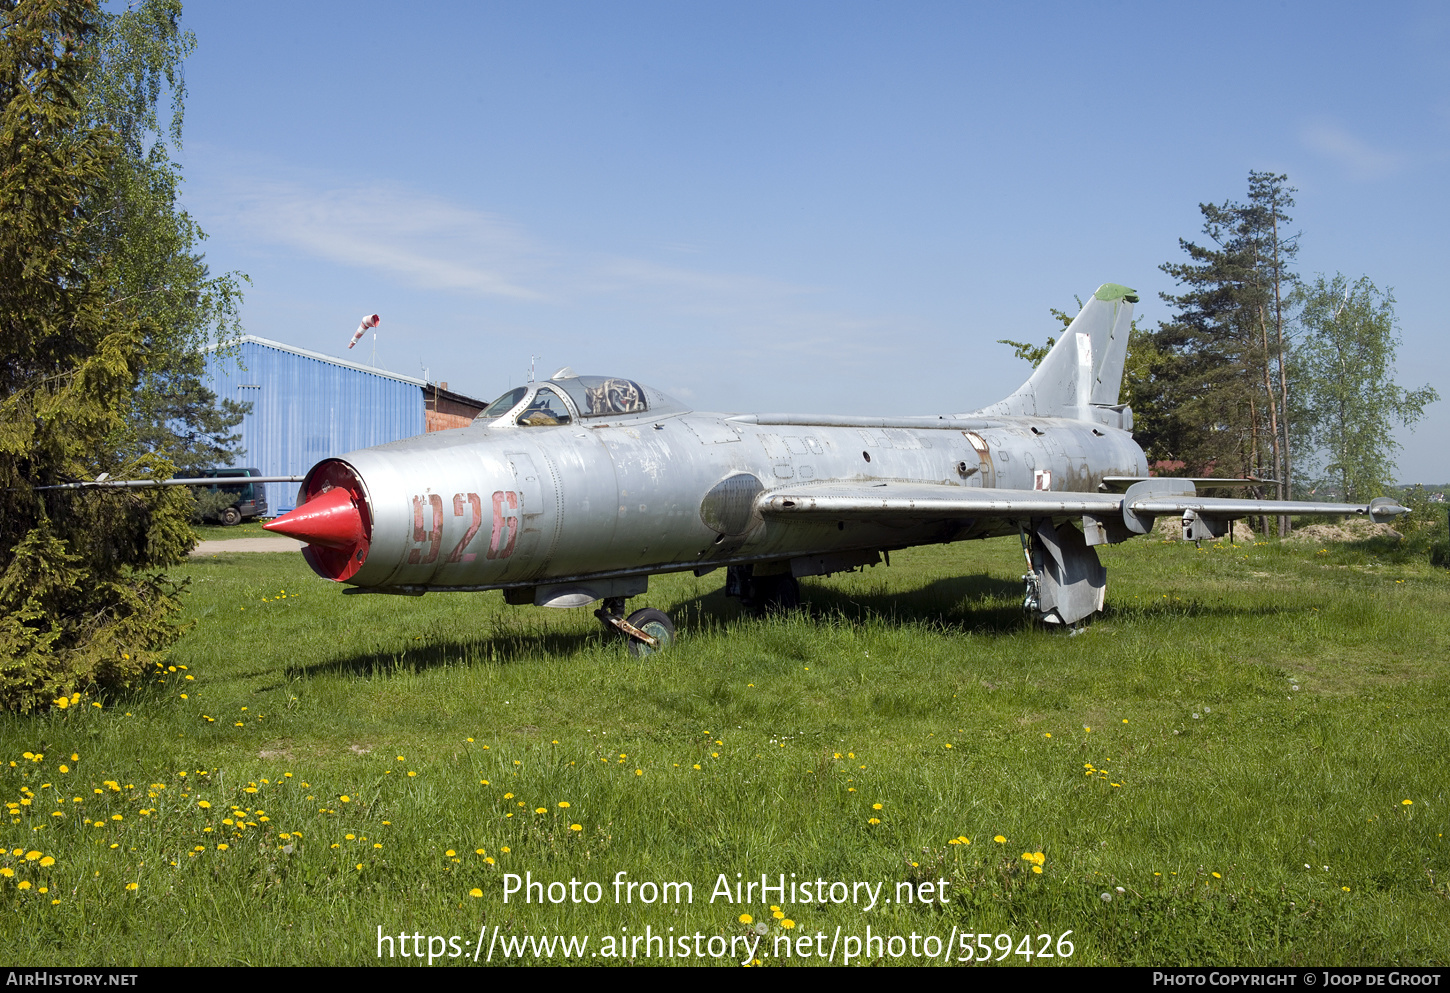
x=647 y=630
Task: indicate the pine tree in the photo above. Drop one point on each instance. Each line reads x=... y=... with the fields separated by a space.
x=82 y=601
x=1221 y=374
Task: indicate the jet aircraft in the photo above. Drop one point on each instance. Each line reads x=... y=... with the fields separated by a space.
x=578 y=489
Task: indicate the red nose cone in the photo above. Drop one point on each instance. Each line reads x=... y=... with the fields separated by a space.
x=329 y=519
x=333 y=519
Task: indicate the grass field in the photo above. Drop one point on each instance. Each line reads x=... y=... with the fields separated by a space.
x=1242 y=762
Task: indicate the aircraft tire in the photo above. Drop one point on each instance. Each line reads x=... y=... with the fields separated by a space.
x=655 y=623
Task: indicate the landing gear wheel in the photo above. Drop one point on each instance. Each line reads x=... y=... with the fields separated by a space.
x=231 y=516
x=656 y=624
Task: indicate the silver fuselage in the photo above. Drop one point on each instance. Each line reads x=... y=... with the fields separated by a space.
x=498 y=504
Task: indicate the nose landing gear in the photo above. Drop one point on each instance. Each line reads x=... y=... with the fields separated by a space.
x=648 y=630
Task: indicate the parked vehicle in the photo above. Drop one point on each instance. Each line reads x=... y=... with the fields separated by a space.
x=251 y=498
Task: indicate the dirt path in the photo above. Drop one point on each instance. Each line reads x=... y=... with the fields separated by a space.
x=230 y=545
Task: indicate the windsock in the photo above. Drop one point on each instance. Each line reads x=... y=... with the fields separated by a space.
x=369 y=321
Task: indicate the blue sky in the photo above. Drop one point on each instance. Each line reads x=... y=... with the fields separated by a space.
x=796 y=206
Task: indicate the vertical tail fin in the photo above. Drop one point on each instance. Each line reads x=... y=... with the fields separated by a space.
x=1084 y=370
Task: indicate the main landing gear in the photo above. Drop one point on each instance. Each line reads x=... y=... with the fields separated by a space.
x=647 y=630
x=769 y=594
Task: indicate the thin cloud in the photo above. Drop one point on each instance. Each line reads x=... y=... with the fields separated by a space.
x=421 y=240
x=429 y=242
x=1357 y=157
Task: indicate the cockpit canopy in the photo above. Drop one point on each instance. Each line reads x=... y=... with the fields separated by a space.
x=567 y=396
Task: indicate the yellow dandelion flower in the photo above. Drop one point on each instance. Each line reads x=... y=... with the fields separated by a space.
x=476 y=893
x=874 y=820
x=7 y=872
x=1037 y=869
x=576 y=827
x=222 y=847
x=1406 y=803
x=564 y=803
x=203 y=804
x=345 y=799
x=47 y=862
x=746 y=919
x=876 y=806
x=488 y=859
x=133 y=886
x=787 y=923
x=1000 y=840
x=450 y=853
x=1217 y=876
x=541 y=810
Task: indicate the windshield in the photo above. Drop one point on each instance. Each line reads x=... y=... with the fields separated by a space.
x=505 y=403
x=546 y=409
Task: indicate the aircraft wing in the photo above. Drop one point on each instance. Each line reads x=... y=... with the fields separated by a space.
x=1138 y=506
x=921 y=501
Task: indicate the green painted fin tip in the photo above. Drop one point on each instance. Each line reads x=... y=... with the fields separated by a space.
x=1109 y=292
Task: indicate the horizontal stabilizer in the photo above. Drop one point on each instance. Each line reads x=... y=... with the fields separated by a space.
x=1119 y=484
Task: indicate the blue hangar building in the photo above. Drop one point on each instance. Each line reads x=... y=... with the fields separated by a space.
x=307 y=407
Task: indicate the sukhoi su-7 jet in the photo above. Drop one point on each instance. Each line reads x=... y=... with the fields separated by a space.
x=578 y=489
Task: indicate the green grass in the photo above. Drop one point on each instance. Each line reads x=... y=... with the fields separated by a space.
x=1237 y=715
x=220 y=532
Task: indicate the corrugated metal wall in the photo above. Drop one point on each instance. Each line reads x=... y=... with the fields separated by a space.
x=306 y=408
